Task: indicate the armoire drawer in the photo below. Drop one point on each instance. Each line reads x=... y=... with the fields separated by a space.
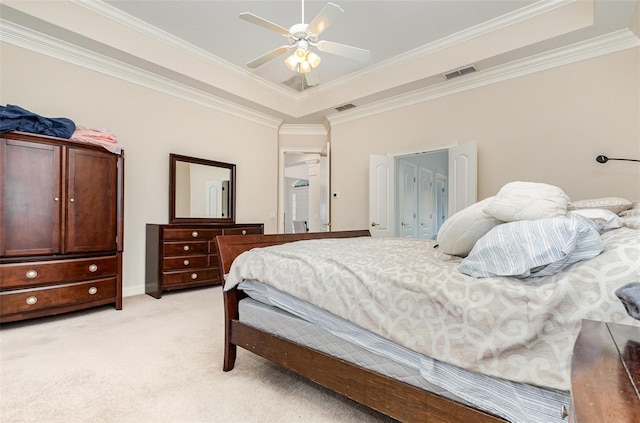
x=249 y=230
x=37 y=273
x=201 y=275
x=187 y=234
x=27 y=300
x=184 y=248
x=187 y=262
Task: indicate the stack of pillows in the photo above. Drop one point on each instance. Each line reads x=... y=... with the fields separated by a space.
x=531 y=229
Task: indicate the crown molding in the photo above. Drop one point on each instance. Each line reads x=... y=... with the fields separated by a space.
x=122 y=18
x=303 y=129
x=595 y=47
x=463 y=36
x=52 y=47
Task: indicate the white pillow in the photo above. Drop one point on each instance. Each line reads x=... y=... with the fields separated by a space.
x=630 y=213
x=606 y=218
x=633 y=211
x=632 y=222
x=528 y=201
x=459 y=233
x=615 y=204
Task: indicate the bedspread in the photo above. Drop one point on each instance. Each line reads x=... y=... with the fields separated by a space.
x=405 y=290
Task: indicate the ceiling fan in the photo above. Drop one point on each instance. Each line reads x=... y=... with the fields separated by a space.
x=302 y=37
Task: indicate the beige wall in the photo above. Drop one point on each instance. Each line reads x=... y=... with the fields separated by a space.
x=150 y=125
x=546 y=127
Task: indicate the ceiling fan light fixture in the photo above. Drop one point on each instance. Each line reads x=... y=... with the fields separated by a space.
x=304 y=67
x=313 y=59
x=291 y=62
x=300 y=54
x=301 y=50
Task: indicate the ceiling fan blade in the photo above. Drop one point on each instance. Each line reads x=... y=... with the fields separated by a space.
x=312 y=77
x=344 y=50
x=267 y=57
x=326 y=16
x=250 y=17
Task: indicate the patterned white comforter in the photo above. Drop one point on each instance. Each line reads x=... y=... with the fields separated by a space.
x=405 y=290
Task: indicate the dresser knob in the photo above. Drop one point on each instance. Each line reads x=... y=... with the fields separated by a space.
x=93 y=290
x=186 y=248
x=244 y=232
x=93 y=268
x=186 y=262
x=31 y=300
x=31 y=274
x=194 y=234
x=194 y=276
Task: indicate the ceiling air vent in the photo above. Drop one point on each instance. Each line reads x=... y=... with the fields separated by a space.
x=459 y=72
x=345 y=107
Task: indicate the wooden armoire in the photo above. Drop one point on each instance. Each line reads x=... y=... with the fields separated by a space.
x=61 y=226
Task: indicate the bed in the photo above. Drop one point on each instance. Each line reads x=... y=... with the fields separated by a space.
x=424 y=365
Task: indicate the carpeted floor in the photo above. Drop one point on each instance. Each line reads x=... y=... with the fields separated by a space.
x=153 y=361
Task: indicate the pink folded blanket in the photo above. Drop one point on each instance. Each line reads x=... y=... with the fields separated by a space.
x=94 y=136
x=88 y=134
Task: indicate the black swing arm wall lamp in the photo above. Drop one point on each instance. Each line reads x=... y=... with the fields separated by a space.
x=604 y=159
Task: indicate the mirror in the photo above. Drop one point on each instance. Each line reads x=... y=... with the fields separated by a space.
x=201 y=190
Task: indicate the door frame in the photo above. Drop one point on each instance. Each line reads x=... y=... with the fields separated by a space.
x=281 y=189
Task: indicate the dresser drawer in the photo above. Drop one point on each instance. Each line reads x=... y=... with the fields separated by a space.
x=187 y=262
x=185 y=248
x=187 y=234
x=20 y=275
x=202 y=275
x=248 y=230
x=26 y=300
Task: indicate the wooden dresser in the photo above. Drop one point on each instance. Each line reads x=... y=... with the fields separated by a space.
x=61 y=226
x=605 y=374
x=185 y=255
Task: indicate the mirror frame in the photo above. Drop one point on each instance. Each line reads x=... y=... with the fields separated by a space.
x=173 y=159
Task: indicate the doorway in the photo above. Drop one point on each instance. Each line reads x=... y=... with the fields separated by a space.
x=455 y=188
x=421 y=194
x=304 y=200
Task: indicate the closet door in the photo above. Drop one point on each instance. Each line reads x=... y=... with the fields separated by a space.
x=91 y=201
x=31 y=198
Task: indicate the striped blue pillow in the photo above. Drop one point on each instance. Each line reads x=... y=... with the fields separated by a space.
x=529 y=248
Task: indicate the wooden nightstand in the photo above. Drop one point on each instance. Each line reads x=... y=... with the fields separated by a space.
x=605 y=374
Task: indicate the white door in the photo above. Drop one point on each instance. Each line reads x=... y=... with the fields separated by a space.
x=426 y=210
x=462 y=187
x=407 y=200
x=381 y=199
x=463 y=175
x=325 y=193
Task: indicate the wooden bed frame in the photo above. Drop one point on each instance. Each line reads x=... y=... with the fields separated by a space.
x=394 y=398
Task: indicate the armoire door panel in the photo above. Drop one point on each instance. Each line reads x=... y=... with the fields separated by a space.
x=31 y=198
x=90 y=203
